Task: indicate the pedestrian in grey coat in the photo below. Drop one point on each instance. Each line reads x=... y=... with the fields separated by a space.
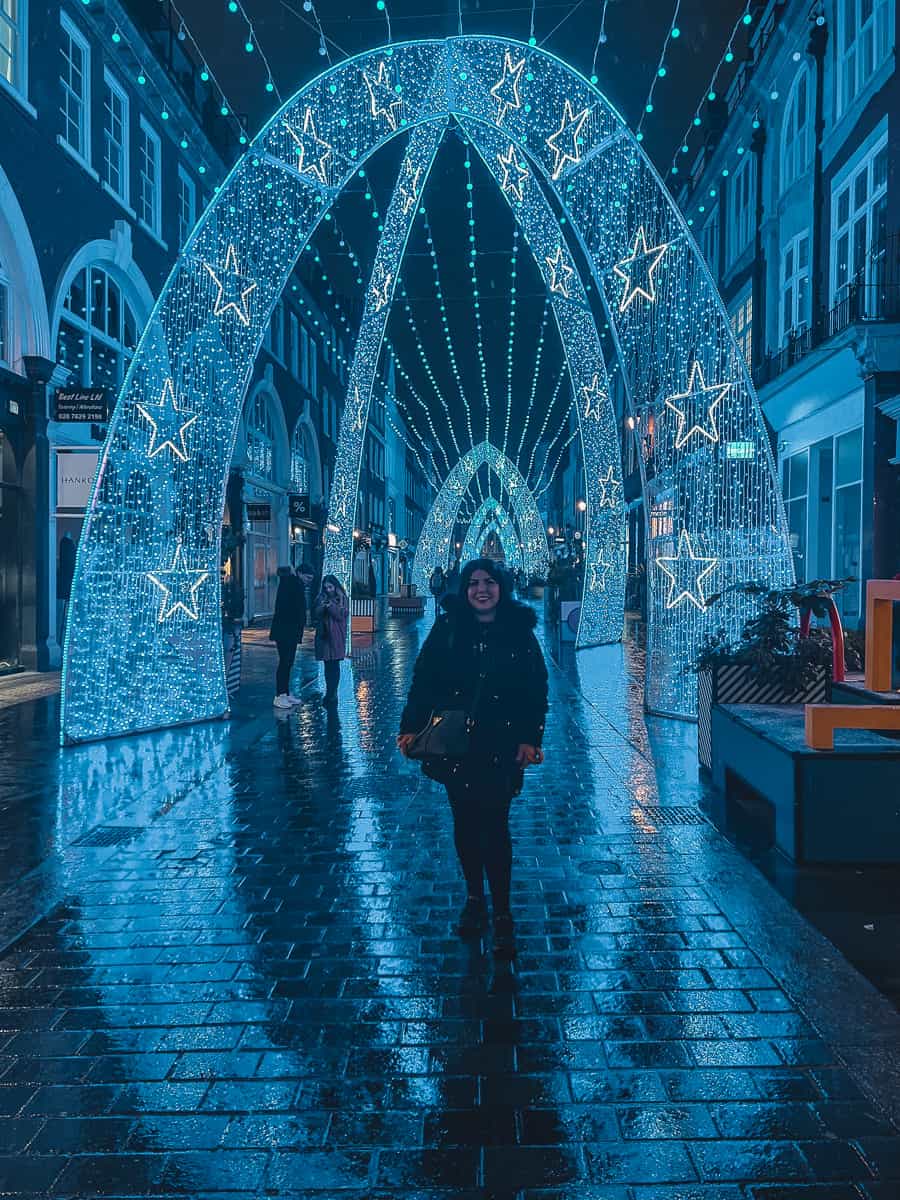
x=331 y=612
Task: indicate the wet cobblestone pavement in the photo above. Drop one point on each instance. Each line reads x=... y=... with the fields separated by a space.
x=251 y=987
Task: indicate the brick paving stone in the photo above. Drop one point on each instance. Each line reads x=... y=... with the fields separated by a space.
x=263 y=994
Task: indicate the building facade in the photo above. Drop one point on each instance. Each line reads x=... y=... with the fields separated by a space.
x=112 y=146
x=794 y=197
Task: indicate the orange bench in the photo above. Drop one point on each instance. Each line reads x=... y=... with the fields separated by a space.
x=823 y=719
x=880 y=597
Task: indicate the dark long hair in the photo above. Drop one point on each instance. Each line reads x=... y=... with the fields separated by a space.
x=461 y=612
x=333 y=579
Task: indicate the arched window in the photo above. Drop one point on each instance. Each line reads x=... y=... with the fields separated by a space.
x=299 y=463
x=261 y=437
x=796 y=135
x=97 y=330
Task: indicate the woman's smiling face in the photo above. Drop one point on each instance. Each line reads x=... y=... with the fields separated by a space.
x=483 y=593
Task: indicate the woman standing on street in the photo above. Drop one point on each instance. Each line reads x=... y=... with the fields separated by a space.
x=286 y=631
x=330 y=613
x=483 y=656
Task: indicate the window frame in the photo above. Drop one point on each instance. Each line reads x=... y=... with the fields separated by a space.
x=298 y=453
x=849 y=51
x=112 y=85
x=71 y=31
x=741 y=317
x=148 y=133
x=263 y=435
x=709 y=241
x=795 y=153
x=186 y=185
x=18 y=85
x=797 y=275
x=92 y=333
x=294 y=343
x=846 y=185
x=740 y=219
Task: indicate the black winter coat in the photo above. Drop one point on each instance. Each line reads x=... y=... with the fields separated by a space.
x=512 y=706
x=289 y=618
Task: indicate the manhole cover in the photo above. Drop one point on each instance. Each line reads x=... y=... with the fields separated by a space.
x=665 y=815
x=600 y=866
x=109 y=835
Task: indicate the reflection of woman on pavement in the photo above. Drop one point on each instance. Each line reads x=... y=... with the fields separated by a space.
x=482 y=656
x=331 y=612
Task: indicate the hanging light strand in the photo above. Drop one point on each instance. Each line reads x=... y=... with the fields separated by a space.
x=661 y=69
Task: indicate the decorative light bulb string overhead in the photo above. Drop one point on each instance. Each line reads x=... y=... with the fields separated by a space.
x=673 y=32
x=710 y=94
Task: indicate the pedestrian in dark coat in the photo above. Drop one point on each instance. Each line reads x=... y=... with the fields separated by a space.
x=482 y=656
x=286 y=631
x=332 y=608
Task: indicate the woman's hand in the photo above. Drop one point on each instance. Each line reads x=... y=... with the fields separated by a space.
x=528 y=756
x=404 y=741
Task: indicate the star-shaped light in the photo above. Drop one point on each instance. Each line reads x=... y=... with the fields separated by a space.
x=598 y=574
x=514 y=174
x=637 y=270
x=312 y=152
x=570 y=128
x=169 y=424
x=595 y=396
x=380 y=290
x=696 y=408
x=506 y=90
x=179 y=585
x=560 y=273
x=686 y=572
x=233 y=294
x=383 y=100
x=409 y=188
x=608 y=484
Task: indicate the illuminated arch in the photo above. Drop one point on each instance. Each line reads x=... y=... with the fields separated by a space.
x=434 y=543
x=492 y=517
x=143 y=644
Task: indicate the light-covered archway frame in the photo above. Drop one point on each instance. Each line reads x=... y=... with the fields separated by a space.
x=143 y=645
x=492 y=517
x=436 y=539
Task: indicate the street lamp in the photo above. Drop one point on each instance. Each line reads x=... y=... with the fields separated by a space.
x=581 y=505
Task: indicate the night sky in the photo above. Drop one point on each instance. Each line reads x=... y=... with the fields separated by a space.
x=626 y=66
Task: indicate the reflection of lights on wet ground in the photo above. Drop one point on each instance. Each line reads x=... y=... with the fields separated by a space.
x=643 y=822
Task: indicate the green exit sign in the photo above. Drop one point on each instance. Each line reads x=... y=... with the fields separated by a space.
x=740 y=450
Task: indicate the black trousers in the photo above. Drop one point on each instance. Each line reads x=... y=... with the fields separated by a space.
x=287 y=652
x=332 y=676
x=480 y=807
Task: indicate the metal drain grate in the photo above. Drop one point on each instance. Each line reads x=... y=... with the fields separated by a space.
x=665 y=815
x=109 y=835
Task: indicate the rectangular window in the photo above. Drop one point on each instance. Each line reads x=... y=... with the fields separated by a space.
x=313 y=366
x=13 y=43
x=187 y=205
x=295 y=346
x=796 y=477
x=865 y=39
x=795 y=286
x=115 y=137
x=742 y=324
x=75 y=86
x=859 y=231
x=150 y=205
x=743 y=201
x=709 y=243
x=278 y=331
x=304 y=356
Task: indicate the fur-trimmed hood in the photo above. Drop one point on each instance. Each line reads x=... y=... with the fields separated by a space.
x=518 y=616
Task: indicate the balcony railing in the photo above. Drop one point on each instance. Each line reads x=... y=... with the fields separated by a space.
x=877 y=299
